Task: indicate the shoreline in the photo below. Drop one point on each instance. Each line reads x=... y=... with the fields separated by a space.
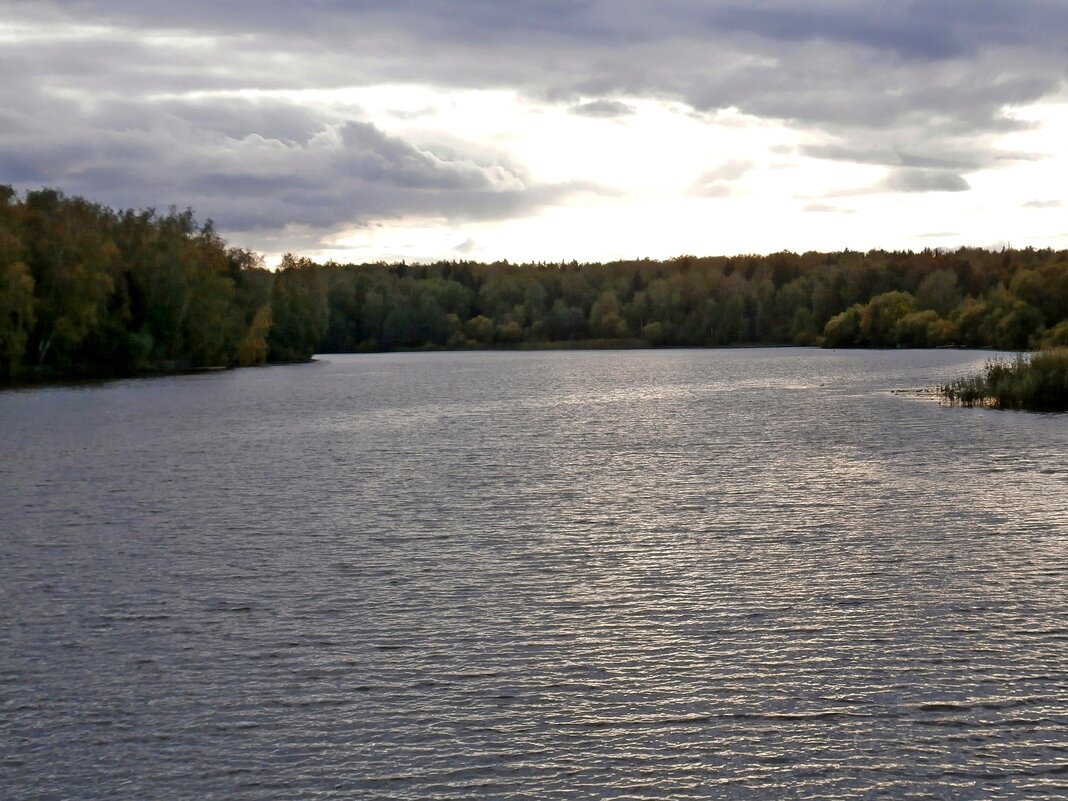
x=86 y=375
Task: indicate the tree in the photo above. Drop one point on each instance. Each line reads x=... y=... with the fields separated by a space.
x=879 y=318
x=843 y=330
x=1018 y=326
x=480 y=329
x=564 y=322
x=252 y=349
x=72 y=261
x=16 y=287
x=16 y=315
x=938 y=292
x=605 y=318
x=299 y=310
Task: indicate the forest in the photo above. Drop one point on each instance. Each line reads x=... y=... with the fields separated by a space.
x=85 y=289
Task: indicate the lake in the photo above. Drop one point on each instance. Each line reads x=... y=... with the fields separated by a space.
x=733 y=574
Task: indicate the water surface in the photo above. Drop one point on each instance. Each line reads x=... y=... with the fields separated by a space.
x=647 y=574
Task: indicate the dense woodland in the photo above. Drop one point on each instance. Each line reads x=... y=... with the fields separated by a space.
x=85 y=289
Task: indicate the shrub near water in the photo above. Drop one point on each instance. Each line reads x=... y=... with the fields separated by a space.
x=1038 y=381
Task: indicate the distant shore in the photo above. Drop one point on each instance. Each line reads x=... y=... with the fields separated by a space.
x=86 y=291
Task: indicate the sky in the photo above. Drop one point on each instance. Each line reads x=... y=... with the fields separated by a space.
x=418 y=130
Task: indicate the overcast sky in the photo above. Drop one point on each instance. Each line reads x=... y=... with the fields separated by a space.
x=551 y=130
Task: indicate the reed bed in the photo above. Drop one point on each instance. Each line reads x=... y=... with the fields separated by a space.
x=1036 y=381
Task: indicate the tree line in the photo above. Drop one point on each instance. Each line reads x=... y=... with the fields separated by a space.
x=1013 y=300
x=85 y=288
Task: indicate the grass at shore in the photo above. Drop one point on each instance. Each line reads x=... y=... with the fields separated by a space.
x=1038 y=382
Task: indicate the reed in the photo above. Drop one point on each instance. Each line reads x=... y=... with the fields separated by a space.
x=1037 y=381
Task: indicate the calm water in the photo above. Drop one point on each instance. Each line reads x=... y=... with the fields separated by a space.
x=751 y=574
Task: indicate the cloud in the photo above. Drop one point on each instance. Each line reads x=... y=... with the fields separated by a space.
x=719 y=181
x=919 y=180
x=364 y=153
x=465 y=247
x=962 y=154
x=214 y=104
x=309 y=170
x=860 y=62
x=949 y=158
x=1043 y=204
x=603 y=108
x=907 y=180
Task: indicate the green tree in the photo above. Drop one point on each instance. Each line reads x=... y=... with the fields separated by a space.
x=72 y=261
x=605 y=317
x=299 y=310
x=843 y=330
x=16 y=314
x=939 y=292
x=252 y=349
x=880 y=317
x=480 y=329
x=1018 y=326
x=16 y=287
x=914 y=329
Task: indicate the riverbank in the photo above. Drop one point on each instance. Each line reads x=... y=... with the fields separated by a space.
x=94 y=374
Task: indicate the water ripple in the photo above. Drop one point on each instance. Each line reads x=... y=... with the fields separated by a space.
x=674 y=574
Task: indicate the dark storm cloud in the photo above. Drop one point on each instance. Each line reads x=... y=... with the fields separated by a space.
x=135 y=102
